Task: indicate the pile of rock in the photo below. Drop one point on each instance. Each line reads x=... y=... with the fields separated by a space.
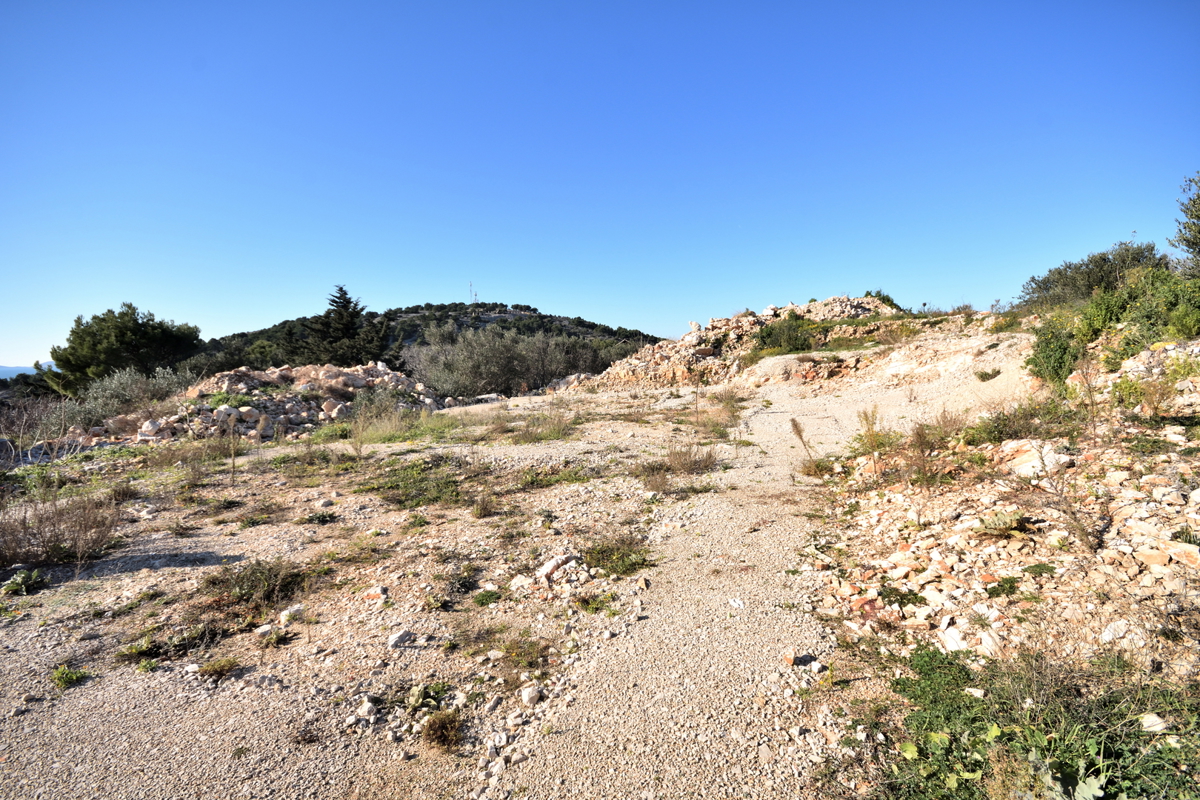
x=843 y=307
x=972 y=567
x=712 y=354
x=281 y=402
x=341 y=383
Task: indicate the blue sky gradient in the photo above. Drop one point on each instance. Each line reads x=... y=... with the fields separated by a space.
x=638 y=164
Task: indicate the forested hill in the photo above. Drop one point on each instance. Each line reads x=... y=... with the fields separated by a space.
x=409 y=325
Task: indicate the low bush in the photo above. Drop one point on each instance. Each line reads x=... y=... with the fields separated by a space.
x=258 y=586
x=1043 y=728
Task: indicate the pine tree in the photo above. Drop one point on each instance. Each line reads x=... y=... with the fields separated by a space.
x=1187 y=235
x=343 y=336
x=118 y=340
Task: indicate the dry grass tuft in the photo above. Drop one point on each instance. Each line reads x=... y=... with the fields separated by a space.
x=690 y=460
x=53 y=529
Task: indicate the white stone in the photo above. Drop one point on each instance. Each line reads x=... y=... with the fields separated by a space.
x=530 y=695
x=1153 y=723
x=292 y=614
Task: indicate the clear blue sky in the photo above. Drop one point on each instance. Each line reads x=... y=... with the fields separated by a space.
x=635 y=163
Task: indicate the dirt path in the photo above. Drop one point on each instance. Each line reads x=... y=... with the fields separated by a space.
x=694 y=700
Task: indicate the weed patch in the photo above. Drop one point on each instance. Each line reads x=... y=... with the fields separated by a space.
x=64 y=677
x=543 y=477
x=1042 y=728
x=415 y=484
x=544 y=428
x=218 y=668
x=620 y=555
x=257 y=585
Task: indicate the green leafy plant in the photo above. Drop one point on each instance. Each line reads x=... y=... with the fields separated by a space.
x=24 y=582
x=64 y=677
x=1039 y=728
x=1005 y=523
x=594 y=603
x=1004 y=587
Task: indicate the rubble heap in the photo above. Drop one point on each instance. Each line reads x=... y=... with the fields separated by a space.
x=1082 y=545
x=712 y=354
x=273 y=404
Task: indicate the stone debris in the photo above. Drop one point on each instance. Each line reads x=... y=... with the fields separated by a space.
x=285 y=404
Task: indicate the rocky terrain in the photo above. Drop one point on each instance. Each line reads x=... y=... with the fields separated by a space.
x=652 y=584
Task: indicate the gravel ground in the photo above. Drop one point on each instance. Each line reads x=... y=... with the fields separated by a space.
x=683 y=692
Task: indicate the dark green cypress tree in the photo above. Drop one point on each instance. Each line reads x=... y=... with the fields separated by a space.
x=345 y=335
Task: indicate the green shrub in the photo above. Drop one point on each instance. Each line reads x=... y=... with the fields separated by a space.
x=227 y=399
x=487 y=597
x=64 y=677
x=1077 y=281
x=1005 y=587
x=791 y=334
x=1041 y=419
x=1055 y=352
x=333 y=432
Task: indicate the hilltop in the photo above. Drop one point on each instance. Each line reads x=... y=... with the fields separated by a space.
x=411 y=325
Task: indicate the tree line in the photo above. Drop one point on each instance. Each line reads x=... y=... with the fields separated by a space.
x=456 y=348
